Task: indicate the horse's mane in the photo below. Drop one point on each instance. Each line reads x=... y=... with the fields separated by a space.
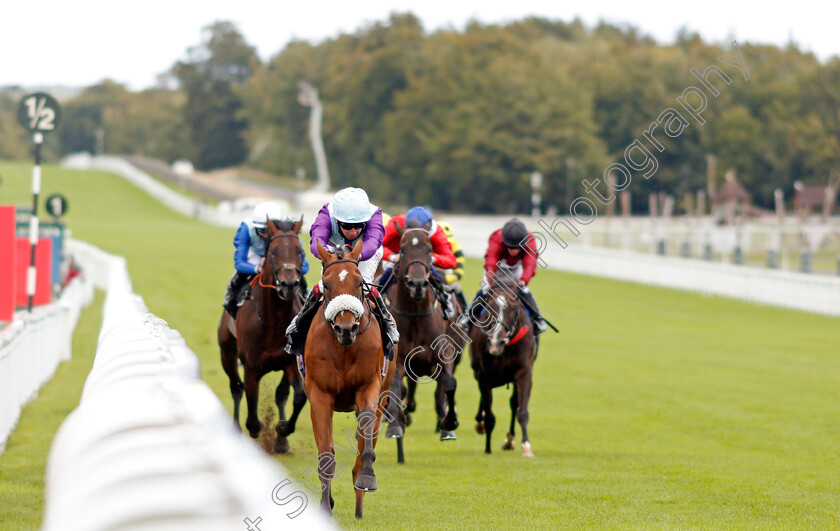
x=413 y=223
x=504 y=280
x=284 y=225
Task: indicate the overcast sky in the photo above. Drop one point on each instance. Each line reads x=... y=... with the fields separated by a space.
x=81 y=42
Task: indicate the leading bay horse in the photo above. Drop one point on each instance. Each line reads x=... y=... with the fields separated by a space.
x=257 y=336
x=424 y=349
x=345 y=370
x=503 y=349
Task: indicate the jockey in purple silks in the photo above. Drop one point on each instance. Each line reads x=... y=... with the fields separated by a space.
x=344 y=221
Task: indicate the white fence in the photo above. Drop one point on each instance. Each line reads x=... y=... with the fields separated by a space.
x=32 y=346
x=150 y=445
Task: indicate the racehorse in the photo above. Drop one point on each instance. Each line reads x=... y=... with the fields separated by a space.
x=423 y=351
x=257 y=336
x=503 y=349
x=345 y=370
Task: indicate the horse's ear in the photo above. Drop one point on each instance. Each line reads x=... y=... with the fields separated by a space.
x=428 y=226
x=397 y=226
x=272 y=228
x=357 y=250
x=296 y=228
x=322 y=253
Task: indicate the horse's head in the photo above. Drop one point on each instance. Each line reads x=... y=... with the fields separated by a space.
x=284 y=256
x=343 y=307
x=506 y=310
x=415 y=258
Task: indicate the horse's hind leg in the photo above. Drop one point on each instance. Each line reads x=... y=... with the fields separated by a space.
x=252 y=396
x=396 y=416
x=523 y=394
x=298 y=401
x=511 y=434
x=231 y=368
x=281 y=444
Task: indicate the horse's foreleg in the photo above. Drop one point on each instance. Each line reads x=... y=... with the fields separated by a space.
x=394 y=413
x=523 y=394
x=450 y=384
x=298 y=401
x=514 y=404
x=321 y=412
x=367 y=430
x=252 y=396
x=489 y=418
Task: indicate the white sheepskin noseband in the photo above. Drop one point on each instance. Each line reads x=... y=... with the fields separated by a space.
x=343 y=302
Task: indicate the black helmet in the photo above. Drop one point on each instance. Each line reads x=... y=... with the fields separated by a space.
x=513 y=233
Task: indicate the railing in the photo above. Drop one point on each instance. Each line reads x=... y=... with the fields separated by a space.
x=32 y=346
x=150 y=445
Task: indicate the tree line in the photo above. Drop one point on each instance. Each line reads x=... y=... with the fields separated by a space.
x=459 y=120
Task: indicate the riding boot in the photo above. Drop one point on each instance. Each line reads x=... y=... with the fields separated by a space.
x=444 y=298
x=236 y=282
x=298 y=328
x=387 y=326
x=536 y=318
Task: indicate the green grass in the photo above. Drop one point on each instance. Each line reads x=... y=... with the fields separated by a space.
x=652 y=408
x=23 y=463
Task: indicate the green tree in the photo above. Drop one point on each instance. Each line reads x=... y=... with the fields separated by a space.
x=211 y=77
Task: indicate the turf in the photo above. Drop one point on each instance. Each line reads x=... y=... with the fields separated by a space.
x=652 y=408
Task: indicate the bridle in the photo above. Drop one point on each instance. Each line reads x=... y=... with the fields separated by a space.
x=326 y=302
x=511 y=331
x=285 y=266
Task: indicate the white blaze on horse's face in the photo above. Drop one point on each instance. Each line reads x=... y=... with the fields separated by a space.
x=342 y=275
x=495 y=339
x=415 y=242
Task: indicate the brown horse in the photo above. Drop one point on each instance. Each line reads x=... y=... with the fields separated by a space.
x=503 y=350
x=258 y=335
x=423 y=349
x=345 y=370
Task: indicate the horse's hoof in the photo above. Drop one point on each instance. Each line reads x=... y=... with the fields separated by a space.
x=526 y=450
x=508 y=444
x=479 y=428
x=365 y=483
x=394 y=431
x=281 y=446
x=283 y=428
x=254 y=431
x=446 y=435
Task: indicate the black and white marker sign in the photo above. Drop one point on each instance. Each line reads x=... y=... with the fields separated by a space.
x=39 y=112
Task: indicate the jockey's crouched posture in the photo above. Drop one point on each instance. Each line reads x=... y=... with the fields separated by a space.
x=442 y=257
x=343 y=221
x=506 y=255
x=249 y=256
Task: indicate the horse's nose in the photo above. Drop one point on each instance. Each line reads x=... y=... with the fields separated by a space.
x=337 y=329
x=354 y=329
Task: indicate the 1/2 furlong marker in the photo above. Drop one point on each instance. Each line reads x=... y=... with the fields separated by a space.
x=39 y=113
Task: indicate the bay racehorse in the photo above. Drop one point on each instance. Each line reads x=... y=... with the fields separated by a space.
x=257 y=336
x=503 y=350
x=424 y=349
x=345 y=370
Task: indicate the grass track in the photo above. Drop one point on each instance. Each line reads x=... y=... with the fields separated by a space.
x=652 y=409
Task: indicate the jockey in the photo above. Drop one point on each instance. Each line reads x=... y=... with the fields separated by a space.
x=453 y=275
x=348 y=218
x=442 y=256
x=249 y=256
x=511 y=251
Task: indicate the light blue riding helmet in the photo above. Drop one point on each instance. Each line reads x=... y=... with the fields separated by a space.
x=351 y=205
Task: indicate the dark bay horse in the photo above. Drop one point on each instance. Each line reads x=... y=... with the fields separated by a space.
x=258 y=335
x=503 y=350
x=424 y=349
x=345 y=370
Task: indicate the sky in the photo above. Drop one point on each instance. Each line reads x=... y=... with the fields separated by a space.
x=81 y=42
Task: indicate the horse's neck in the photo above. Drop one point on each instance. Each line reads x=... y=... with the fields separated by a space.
x=271 y=307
